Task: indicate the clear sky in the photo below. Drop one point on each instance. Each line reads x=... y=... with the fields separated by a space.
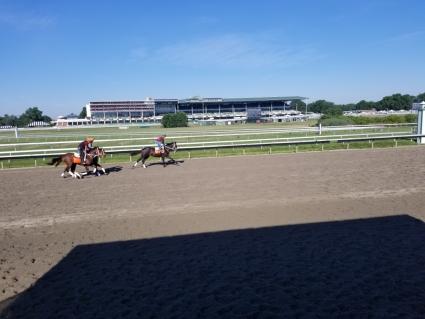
x=59 y=55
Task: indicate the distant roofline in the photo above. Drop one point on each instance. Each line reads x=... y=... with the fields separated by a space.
x=197 y=99
x=243 y=99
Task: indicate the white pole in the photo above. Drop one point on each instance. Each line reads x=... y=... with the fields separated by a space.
x=16 y=132
x=421 y=121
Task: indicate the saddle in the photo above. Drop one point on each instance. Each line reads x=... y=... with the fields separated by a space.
x=157 y=151
x=76 y=160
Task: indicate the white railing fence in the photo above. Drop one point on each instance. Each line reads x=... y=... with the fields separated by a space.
x=349 y=138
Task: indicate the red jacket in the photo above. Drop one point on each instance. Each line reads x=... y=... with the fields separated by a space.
x=160 y=139
x=84 y=145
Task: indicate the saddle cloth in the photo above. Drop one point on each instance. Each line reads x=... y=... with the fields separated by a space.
x=76 y=160
x=157 y=150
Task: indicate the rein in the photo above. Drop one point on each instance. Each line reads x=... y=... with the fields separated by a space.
x=95 y=154
x=170 y=148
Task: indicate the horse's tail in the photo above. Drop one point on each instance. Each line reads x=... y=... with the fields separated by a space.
x=55 y=161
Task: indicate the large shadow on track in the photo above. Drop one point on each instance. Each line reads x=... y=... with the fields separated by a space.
x=108 y=170
x=167 y=163
x=371 y=268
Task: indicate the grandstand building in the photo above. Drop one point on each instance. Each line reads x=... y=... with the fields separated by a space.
x=196 y=108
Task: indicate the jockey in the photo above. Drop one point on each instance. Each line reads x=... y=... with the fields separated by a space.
x=160 y=142
x=84 y=147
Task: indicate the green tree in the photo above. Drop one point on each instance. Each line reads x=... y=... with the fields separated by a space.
x=11 y=120
x=178 y=119
x=335 y=110
x=347 y=107
x=325 y=107
x=32 y=114
x=420 y=97
x=395 y=102
x=83 y=113
x=365 y=105
x=46 y=119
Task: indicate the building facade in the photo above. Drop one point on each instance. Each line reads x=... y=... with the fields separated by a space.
x=196 y=108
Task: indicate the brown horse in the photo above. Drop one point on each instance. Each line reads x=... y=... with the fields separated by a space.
x=145 y=152
x=71 y=161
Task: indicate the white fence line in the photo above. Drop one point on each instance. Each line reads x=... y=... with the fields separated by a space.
x=263 y=132
x=230 y=144
x=206 y=143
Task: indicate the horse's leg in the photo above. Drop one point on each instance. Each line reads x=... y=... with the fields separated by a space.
x=144 y=160
x=68 y=169
x=77 y=175
x=163 y=160
x=95 y=171
x=65 y=171
x=171 y=160
x=71 y=172
x=87 y=170
x=103 y=170
x=137 y=161
x=74 y=173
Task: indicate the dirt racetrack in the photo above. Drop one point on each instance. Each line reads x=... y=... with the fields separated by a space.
x=55 y=231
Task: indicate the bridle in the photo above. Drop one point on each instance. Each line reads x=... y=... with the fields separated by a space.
x=97 y=153
x=174 y=148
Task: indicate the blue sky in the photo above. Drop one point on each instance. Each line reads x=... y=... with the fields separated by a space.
x=59 y=55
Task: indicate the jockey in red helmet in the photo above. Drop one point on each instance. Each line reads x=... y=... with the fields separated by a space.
x=84 y=147
x=160 y=142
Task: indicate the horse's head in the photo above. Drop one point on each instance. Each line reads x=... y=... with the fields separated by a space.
x=101 y=152
x=98 y=151
x=171 y=146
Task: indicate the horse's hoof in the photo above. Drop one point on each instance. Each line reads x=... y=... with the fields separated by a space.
x=144 y=166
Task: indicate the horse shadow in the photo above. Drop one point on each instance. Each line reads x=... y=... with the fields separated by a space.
x=113 y=169
x=169 y=162
x=346 y=269
x=108 y=170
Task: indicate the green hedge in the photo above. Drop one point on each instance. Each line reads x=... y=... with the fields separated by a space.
x=364 y=120
x=178 y=119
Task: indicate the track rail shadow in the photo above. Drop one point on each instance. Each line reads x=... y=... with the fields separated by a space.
x=368 y=268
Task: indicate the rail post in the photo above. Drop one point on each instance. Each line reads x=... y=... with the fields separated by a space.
x=2 y=167
x=420 y=107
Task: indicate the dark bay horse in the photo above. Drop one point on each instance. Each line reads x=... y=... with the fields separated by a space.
x=71 y=161
x=147 y=151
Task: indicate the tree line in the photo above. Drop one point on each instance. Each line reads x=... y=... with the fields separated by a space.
x=394 y=102
x=30 y=115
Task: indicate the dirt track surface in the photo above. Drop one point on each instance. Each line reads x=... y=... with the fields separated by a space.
x=45 y=217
